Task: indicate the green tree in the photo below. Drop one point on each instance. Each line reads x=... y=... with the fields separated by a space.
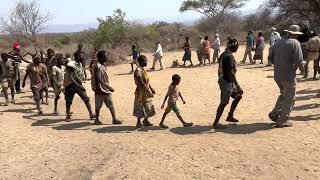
x=213 y=9
x=112 y=30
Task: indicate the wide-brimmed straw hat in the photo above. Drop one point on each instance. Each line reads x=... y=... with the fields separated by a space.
x=294 y=29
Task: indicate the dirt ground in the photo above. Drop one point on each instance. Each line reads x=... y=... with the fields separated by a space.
x=48 y=147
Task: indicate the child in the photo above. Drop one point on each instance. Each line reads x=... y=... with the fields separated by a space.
x=135 y=55
x=37 y=72
x=58 y=76
x=143 y=106
x=7 y=77
x=72 y=85
x=172 y=96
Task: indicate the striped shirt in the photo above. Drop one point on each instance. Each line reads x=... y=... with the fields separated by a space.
x=15 y=56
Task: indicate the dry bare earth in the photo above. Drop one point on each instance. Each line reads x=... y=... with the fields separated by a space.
x=47 y=147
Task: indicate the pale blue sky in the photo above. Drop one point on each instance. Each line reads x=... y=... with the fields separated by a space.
x=86 y=11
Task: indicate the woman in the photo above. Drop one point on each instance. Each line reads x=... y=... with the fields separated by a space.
x=187 y=52
x=143 y=107
x=259 y=48
x=206 y=50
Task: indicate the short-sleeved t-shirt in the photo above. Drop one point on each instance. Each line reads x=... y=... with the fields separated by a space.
x=173 y=94
x=286 y=55
x=135 y=54
x=37 y=74
x=58 y=74
x=227 y=64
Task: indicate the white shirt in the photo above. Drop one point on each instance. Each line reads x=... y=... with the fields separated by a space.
x=275 y=36
x=216 y=44
x=159 y=50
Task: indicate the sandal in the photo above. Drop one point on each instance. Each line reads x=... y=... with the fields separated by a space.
x=187 y=124
x=116 y=122
x=232 y=119
x=147 y=123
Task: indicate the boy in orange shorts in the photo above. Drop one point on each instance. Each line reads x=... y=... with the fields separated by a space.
x=172 y=96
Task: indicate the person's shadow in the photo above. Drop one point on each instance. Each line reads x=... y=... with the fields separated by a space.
x=232 y=129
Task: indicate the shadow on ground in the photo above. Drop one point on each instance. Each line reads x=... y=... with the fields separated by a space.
x=232 y=129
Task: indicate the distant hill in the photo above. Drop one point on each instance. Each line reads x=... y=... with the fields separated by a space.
x=70 y=28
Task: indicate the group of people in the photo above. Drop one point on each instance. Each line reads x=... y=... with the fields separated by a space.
x=65 y=75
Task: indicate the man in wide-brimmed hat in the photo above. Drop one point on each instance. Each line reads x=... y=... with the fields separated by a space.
x=286 y=55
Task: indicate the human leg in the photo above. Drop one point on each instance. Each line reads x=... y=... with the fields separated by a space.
x=274 y=114
x=37 y=98
x=161 y=65
x=226 y=92
x=99 y=99
x=109 y=103
x=289 y=93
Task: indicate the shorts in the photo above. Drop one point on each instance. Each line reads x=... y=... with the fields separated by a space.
x=106 y=99
x=228 y=90
x=173 y=107
x=135 y=61
x=37 y=94
x=73 y=89
x=8 y=83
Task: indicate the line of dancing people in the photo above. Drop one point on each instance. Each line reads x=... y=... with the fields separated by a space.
x=66 y=75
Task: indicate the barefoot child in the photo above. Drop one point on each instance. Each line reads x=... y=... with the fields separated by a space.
x=172 y=96
x=143 y=107
x=37 y=72
x=7 y=77
x=58 y=76
x=103 y=91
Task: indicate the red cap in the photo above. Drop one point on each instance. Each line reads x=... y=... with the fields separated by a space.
x=16 y=46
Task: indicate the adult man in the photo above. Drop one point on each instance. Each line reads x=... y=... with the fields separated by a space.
x=216 y=48
x=7 y=77
x=17 y=58
x=286 y=56
x=274 y=37
x=37 y=72
x=313 y=47
x=228 y=83
x=50 y=61
x=82 y=60
x=157 y=56
x=101 y=87
x=250 y=45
